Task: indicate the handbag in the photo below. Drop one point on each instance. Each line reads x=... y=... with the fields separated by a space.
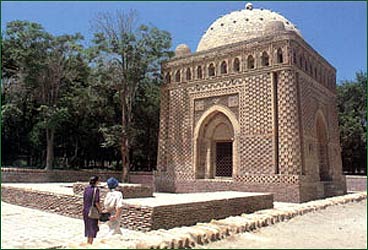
x=104 y=217
x=93 y=211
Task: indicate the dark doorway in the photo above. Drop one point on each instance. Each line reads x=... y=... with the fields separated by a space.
x=224 y=159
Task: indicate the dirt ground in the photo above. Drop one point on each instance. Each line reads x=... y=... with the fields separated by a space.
x=343 y=226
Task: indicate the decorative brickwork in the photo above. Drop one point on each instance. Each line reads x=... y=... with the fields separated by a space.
x=272 y=98
x=289 y=132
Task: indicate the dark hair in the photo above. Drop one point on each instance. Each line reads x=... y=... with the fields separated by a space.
x=93 y=180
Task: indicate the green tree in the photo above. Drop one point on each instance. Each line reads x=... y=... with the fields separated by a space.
x=128 y=53
x=146 y=113
x=43 y=66
x=351 y=98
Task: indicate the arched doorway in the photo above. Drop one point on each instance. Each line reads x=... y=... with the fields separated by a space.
x=215 y=145
x=322 y=148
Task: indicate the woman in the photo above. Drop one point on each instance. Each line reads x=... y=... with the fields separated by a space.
x=113 y=204
x=91 y=225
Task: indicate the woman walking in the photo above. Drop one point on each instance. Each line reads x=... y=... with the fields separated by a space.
x=113 y=204
x=91 y=197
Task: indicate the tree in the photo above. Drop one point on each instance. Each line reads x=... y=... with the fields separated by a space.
x=146 y=113
x=351 y=98
x=42 y=65
x=129 y=53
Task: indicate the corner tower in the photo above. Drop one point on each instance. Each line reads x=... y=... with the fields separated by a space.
x=253 y=109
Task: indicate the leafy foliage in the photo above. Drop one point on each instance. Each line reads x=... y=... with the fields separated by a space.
x=352 y=105
x=63 y=105
x=129 y=55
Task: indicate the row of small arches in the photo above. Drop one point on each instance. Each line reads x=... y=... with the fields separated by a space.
x=314 y=70
x=236 y=67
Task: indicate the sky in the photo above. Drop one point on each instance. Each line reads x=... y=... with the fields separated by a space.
x=337 y=30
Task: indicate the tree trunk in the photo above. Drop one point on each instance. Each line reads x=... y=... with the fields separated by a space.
x=50 y=148
x=125 y=159
x=124 y=149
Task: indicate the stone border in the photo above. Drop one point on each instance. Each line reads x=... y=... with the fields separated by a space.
x=203 y=233
x=27 y=175
x=129 y=190
x=61 y=204
x=356 y=182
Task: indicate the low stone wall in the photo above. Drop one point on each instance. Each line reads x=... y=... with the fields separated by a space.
x=356 y=183
x=19 y=175
x=136 y=217
x=67 y=205
x=128 y=190
x=167 y=217
x=145 y=217
x=141 y=217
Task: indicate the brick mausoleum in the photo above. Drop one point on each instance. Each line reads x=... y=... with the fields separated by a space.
x=253 y=109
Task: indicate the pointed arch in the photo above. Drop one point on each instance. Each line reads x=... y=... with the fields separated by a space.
x=322 y=136
x=223 y=67
x=236 y=65
x=188 y=74
x=177 y=76
x=265 y=59
x=211 y=70
x=216 y=111
x=168 y=77
x=250 y=62
x=279 y=56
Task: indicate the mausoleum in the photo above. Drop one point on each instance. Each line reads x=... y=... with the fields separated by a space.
x=252 y=109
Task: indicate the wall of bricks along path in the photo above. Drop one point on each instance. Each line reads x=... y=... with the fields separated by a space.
x=136 y=217
x=13 y=175
x=129 y=190
x=67 y=205
x=167 y=217
x=356 y=183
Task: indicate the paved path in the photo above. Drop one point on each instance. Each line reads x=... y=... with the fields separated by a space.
x=336 y=227
x=30 y=228
x=23 y=227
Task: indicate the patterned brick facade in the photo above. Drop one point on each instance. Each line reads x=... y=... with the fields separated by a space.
x=280 y=102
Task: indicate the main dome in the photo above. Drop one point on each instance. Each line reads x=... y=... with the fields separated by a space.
x=243 y=25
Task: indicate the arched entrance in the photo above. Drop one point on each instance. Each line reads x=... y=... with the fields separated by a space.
x=215 y=144
x=322 y=148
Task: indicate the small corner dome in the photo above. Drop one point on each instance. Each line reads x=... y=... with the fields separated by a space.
x=182 y=50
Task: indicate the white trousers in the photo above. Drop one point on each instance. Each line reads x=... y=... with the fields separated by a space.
x=114 y=227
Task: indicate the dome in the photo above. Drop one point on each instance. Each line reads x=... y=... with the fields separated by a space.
x=242 y=25
x=182 y=50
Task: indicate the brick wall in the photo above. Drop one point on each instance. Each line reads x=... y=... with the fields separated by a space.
x=191 y=213
x=134 y=217
x=128 y=190
x=281 y=192
x=67 y=205
x=356 y=183
x=147 y=218
x=13 y=175
x=143 y=218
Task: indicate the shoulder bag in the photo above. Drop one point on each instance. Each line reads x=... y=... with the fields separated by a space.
x=93 y=211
